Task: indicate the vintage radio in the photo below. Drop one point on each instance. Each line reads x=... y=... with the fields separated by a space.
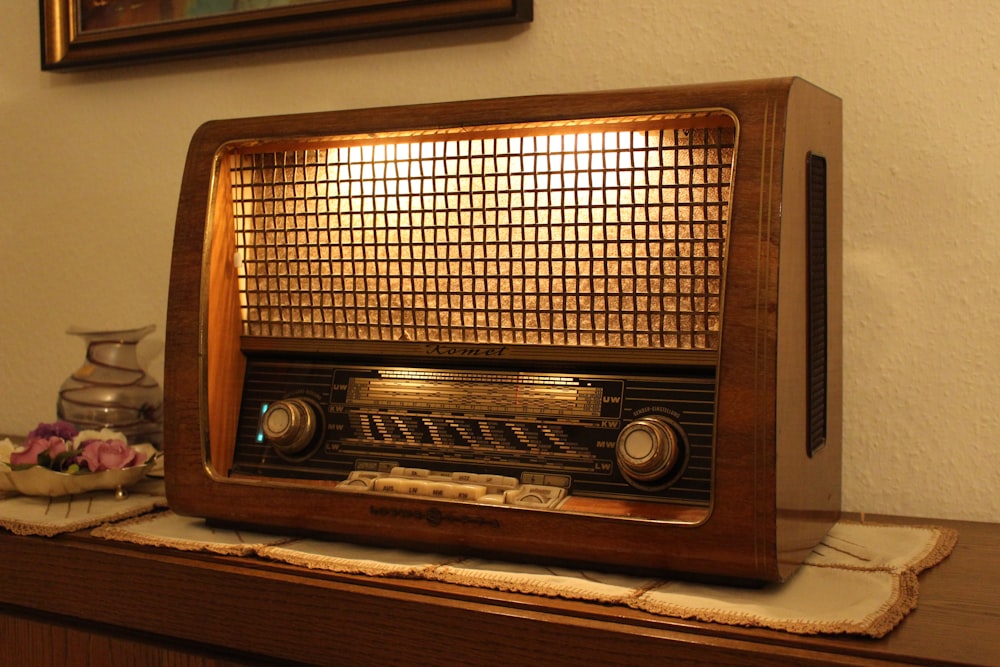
x=594 y=329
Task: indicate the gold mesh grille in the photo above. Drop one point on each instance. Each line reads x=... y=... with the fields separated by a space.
x=604 y=234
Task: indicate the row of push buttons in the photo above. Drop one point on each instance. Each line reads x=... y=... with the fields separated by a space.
x=461 y=486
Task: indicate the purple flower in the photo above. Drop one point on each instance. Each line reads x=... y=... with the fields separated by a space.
x=59 y=429
x=100 y=455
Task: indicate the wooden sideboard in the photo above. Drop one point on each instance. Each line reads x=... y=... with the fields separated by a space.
x=78 y=600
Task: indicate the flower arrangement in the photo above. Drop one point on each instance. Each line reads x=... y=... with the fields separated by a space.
x=58 y=446
x=57 y=459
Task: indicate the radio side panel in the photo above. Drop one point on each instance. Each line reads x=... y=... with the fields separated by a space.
x=745 y=505
x=185 y=395
x=809 y=341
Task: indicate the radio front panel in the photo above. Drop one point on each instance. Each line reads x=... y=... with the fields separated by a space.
x=597 y=328
x=604 y=233
x=563 y=432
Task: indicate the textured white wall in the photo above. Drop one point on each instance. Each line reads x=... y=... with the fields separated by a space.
x=91 y=163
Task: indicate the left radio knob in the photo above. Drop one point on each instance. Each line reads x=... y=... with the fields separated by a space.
x=289 y=425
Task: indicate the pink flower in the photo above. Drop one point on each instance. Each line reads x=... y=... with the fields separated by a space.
x=28 y=453
x=100 y=455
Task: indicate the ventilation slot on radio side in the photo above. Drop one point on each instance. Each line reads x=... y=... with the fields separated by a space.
x=817 y=295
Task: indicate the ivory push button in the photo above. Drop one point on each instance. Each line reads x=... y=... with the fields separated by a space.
x=460 y=486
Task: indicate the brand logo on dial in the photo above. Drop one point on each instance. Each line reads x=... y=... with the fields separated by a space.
x=433 y=516
x=466 y=350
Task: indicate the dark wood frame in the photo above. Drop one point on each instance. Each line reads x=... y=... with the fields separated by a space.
x=65 y=45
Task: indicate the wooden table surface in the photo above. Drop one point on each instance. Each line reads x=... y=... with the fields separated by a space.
x=79 y=600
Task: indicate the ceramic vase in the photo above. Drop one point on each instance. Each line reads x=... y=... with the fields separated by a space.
x=111 y=390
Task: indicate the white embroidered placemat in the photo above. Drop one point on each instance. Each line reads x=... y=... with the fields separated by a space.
x=861 y=580
x=33 y=515
x=167 y=529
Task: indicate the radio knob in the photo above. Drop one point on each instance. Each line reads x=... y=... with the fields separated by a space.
x=647 y=449
x=289 y=425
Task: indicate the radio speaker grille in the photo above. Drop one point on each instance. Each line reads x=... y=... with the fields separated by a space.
x=610 y=233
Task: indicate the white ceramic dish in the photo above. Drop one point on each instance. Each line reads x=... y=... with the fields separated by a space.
x=6 y=483
x=39 y=481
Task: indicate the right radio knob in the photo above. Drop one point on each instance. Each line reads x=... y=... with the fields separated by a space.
x=647 y=449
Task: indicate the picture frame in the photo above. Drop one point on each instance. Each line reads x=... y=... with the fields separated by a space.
x=92 y=33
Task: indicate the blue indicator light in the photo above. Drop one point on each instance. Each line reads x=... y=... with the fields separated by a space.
x=260 y=423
